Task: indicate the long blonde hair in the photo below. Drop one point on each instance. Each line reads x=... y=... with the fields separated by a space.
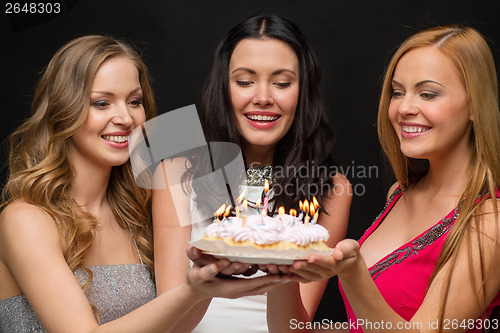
x=39 y=169
x=470 y=53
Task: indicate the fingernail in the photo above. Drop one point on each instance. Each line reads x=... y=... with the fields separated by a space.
x=211 y=269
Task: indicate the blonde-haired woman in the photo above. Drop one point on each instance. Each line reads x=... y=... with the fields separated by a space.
x=75 y=231
x=439 y=103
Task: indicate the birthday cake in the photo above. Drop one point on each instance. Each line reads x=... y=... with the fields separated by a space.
x=286 y=235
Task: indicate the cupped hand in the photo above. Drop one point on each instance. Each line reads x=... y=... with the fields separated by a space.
x=206 y=282
x=275 y=269
x=321 y=267
x=233 y=268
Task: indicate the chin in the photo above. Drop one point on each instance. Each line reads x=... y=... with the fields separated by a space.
x=117 y=162
x=414 y=154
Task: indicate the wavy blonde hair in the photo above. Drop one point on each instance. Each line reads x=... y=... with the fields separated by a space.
x=39 y=169
x=471 y=55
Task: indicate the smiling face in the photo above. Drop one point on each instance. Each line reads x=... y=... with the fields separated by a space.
x=115 y=110
x=429 y=107
x=264 y=89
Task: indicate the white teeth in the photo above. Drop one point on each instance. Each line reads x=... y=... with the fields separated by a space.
x=115 y=138
x=414 y=129
x=261 y=117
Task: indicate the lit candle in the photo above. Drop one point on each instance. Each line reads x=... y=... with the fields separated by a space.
x=281 y=211
x=266 y=198
x=227 y=211
x=293 y=212
x=244 y=206
x=316 y=209
x=242 y=195
x=306 y=209
x=257 y=205
x=301 y=209
x=315 y=202
x=315 y=218
x=219 y=212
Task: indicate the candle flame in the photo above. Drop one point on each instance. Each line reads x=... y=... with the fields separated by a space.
x=220 y=211
x=301 y=205
x=242 y=195
x=293 y=212
x=258 y=203
x=237 y=210
x=244 y=204
x=312 y=209
x=316 y=203
x=306 y=206
x=266 y=186
x=228 y=211
x=281 y=210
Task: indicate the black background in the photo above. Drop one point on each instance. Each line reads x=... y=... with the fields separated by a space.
x=354 y=41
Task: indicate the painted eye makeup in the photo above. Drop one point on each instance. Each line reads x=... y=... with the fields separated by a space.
x=283 y=84
x=243 y=83
x=101 y=104
x=428 y=95
x=136 y=102
x=396 y=94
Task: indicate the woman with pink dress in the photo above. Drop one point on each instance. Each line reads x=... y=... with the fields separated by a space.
x=431 y=261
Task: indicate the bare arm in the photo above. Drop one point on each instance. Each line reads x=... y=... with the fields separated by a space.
x=300 y=301
x=368 y=303
x=30 y=244
x=171 y=238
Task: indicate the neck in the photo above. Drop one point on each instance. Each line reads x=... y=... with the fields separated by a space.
x=258 y=155
x=89 y=185
x=448 y=174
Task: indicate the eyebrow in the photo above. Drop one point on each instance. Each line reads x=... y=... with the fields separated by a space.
x=418 y=84
x=276 y=72
x=109 y=93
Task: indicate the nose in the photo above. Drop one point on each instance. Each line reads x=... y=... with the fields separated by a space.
x=263 y=95
x=408 y=106
x=122 y=115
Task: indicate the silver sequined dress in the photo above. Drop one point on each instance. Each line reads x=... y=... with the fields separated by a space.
x=115 y=290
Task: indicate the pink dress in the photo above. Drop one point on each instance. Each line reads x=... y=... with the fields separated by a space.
x=403 y=275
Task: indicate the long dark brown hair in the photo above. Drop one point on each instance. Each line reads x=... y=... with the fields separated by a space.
x=309 y=142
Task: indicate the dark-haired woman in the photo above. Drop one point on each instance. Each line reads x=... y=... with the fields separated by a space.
x=263 y=94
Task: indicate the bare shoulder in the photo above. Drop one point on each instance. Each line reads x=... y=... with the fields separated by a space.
x=21 y=210
x=21 y=221
x=340 y=194
x=392 y=189
x=343 y=184
x=170 y=171
x=182 y=163
x=341 y=180
x=490 y=221
x=488 y=207
x=337 y=204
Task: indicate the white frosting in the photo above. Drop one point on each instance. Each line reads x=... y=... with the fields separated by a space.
x=268 y=230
